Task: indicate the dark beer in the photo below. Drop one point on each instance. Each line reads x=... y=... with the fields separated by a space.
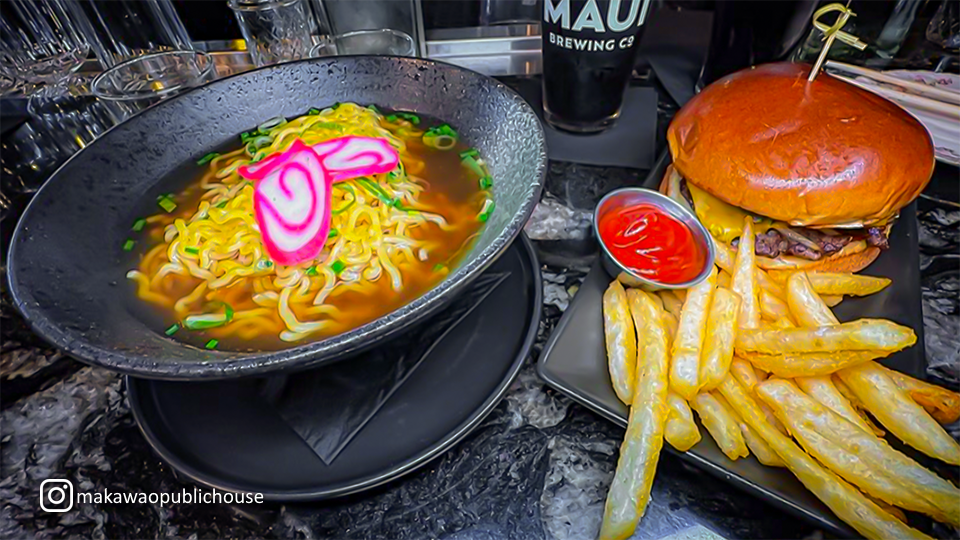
x=588 y=55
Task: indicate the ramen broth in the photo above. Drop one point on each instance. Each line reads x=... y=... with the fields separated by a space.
x=451 y=187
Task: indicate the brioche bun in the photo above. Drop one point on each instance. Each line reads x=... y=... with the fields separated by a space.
x=821 y=154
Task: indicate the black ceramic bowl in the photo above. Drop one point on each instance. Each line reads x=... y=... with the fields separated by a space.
x=66 y=269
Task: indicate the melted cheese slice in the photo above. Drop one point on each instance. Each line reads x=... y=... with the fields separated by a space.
x=723 y=220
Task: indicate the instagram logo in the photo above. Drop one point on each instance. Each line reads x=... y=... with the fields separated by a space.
x=56 y=495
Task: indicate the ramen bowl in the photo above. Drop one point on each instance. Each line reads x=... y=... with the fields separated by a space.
x=67 y=267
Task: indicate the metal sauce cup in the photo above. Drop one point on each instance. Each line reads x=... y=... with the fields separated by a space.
x=626 y=197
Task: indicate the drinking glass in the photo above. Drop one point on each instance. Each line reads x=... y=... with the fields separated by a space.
x=40 y=40
x=382 y=42
x=119 y=30
x=944 y=28
x=589 y=50
x=274 y=30
x=145 y=80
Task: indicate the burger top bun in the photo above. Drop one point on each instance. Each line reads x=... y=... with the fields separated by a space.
x=822 y=153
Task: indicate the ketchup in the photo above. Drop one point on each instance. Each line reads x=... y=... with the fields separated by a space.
x=652 y=243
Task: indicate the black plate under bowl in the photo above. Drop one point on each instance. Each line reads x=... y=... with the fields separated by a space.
x=67 y=268
x=224 y=435
x=574 y=362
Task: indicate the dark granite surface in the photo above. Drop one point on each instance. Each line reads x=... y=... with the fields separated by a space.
x=538 y=467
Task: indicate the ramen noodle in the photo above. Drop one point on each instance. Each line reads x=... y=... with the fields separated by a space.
x=392 y=236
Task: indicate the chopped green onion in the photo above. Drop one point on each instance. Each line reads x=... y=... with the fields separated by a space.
x=376 y=191
x=343 y=208
x=412 y=118
x=443 y=129
x=474 y=166
x=313 y=112
x=222 y=204
x=167 y=204
x=212 y=344
x=192 y=250
x=338 y=266
x=312 y=271
x=244 y=137
x=276 y=121
x=208 y=158
x=393 y=175
x=471 y=152
x=250 y=149
x=391 y=118
x=258 y=157
x=486 y=211
x=438 y=267
x=441 y=142
x=209 y=320
x=332 y=233
x=335 y=105
x=373 y=108
x=128 y=245
x=486 y=182
x=139 y=224
x=262 y=141
x=172 y=330
x=263 y=264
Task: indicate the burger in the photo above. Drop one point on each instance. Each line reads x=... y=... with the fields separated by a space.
x=823 y=167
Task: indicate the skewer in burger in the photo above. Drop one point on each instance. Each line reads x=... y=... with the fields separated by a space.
x=823 y=167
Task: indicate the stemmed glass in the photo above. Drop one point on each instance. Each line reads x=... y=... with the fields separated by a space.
x=41 y=42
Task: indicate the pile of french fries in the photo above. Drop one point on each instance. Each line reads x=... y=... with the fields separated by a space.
x=769 y=370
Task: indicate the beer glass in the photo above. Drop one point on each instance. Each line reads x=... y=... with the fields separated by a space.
x=589 y=48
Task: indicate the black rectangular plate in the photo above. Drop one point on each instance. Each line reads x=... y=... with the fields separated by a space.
x=574 y=362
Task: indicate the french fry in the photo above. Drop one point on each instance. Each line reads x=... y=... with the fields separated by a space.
x=681 y=431
x=670 y=323
x=721 y=424
x=745 y=279
x=773 y=308
x=806 y=305
x=744 y=373
x=657 y=300
x=855 y=401
x=942 y=404
x=629 y=493
x=847 y=284
x=724 y=279
x=748 y=377
x=726 y=256
x=681 y=294
x=783 y=323
x=671 y=303
x=718 y=343
x=759 y=447
x=860 y=335
x=859 y=457
x=767 y=284
x=812 y=364
x=889 y=508
x=843 y=499
x=894 y=409
x=823 y=391
x=755 y=444
x=621 y=341
x=837 y=283
x=831 y=300
x=688 y=344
